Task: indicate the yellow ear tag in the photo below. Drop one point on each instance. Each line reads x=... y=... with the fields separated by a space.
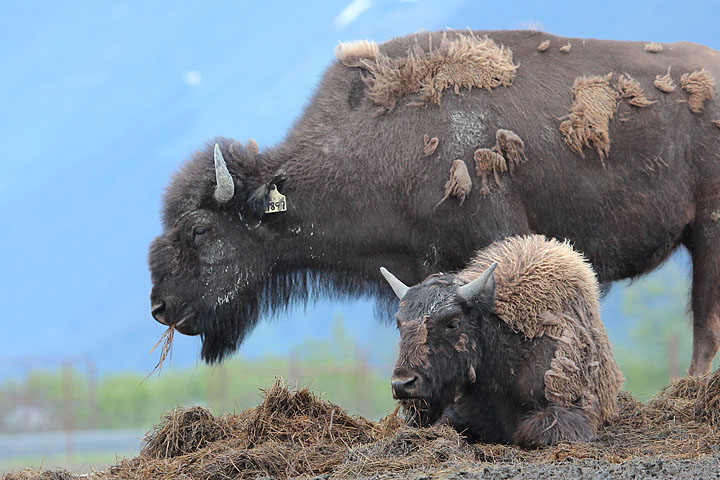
x=276 y=201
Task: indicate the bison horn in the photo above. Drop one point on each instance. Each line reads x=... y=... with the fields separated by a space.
x=398 y=287
x=471 y=290
x=225 y=188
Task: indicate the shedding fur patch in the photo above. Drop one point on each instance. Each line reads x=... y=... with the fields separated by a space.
x=665 y=83
x=459 y=183
x=486 y=161
x=589 y=119
x=465 y=61
x=511 y=146
x=430 y=145
x=543 y=46
x=716 y=123
x=653 y=47
x=631 y=90
x=461 y=345
x=545 y=287
x=699 y=84
x=565 y=48
x=416 y=353
x=351 y=54
x=508 y=152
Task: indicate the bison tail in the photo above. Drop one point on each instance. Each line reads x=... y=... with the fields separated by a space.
x=553 y=425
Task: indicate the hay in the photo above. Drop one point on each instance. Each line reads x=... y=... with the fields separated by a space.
x=699 y=84
x=293 y=433
x=543 y=46
x=32 y=474
x=464 y=61
x=665 y=83
x=589 y=119
x=631 y=90
x=165 y=351
x=459 y=184
x=565 y=48
x=653 y=47
x=430 y=145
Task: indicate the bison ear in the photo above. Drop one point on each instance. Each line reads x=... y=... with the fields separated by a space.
x=482 y=287
x=259 y=199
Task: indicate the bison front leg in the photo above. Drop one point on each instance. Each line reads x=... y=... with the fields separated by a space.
x=553 y=425
x=704 y=246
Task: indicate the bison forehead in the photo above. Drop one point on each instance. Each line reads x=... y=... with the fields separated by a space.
x=423 y=300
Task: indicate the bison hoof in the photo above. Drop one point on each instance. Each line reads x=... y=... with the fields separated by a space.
x=553 y=425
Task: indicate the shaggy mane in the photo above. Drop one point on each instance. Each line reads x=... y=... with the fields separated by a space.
x=464 y=61
x=544 y=287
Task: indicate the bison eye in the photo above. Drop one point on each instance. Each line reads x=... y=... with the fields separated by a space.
x=197 y=231
x=453 y=324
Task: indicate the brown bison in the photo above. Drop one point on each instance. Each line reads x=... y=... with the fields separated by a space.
x=514 y=354
x=416 y=153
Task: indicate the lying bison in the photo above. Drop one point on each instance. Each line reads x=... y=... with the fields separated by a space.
x=416 y=153
x=514 y=354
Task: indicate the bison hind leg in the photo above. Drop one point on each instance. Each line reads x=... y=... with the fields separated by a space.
x=552 y=425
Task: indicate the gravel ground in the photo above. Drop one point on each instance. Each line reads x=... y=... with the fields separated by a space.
x=586 y=469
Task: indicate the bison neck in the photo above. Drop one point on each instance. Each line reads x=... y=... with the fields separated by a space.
x=345 y=226
x=509 y=384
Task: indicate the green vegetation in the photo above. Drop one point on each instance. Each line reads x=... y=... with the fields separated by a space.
x=336 y=369
x=660 y=331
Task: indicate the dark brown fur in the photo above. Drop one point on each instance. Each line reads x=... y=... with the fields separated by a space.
x=525 y=362
x=358 y=197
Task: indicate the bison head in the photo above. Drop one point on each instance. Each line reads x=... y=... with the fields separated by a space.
x=439 y=353
x=209 y=266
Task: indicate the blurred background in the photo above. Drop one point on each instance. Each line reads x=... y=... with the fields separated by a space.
x=100 y=102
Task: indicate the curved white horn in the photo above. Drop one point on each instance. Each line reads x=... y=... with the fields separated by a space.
x=225 y=188
x=470 y=290
x=398 y=287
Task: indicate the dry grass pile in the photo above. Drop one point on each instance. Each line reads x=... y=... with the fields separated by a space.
x=32 y=474
x=295 y=434
x=290 y=434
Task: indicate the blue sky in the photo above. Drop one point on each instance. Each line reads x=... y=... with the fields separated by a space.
x=100 y=102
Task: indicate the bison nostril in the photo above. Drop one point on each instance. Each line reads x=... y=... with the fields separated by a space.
x=158 y=311
x=403 y=387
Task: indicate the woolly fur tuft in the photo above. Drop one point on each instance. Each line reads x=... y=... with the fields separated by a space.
x=464 y=61
x=544 y=287
x=589 y=119
x=699 y=84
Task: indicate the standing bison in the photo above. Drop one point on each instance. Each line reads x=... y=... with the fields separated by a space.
x=415 y=153
x=514 y=354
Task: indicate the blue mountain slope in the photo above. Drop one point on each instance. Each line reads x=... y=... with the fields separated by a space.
x=100 y=103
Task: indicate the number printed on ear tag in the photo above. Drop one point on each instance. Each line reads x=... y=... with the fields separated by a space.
x=276 y=201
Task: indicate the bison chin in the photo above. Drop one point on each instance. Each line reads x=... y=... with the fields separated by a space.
x=224 y=329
